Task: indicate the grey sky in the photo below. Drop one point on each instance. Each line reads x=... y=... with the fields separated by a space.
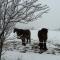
x=50 y=20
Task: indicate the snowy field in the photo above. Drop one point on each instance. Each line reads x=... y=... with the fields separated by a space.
x=13 y=49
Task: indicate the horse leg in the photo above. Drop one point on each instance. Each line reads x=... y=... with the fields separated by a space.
x=41 y=44
x=29 y=40
x=23 y=42
x=45 y=47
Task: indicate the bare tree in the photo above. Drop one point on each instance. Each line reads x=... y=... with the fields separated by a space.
x=12 y=11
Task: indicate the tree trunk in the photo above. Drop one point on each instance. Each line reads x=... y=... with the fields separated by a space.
x=1 y=44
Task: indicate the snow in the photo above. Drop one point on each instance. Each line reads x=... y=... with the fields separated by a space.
x=54 y=36
x=15 y=49
x=11 y=55
x=14 y=55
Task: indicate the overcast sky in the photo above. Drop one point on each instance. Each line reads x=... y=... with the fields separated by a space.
x=50 y=20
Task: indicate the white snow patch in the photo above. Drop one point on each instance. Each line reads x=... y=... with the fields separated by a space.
x=14 y=55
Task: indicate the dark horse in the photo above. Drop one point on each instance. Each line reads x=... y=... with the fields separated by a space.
x=42 y=35
x=19 y=32
x=24 y=35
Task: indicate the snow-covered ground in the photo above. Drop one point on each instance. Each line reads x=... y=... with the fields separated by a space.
x=13 y=49
x=14 y=55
